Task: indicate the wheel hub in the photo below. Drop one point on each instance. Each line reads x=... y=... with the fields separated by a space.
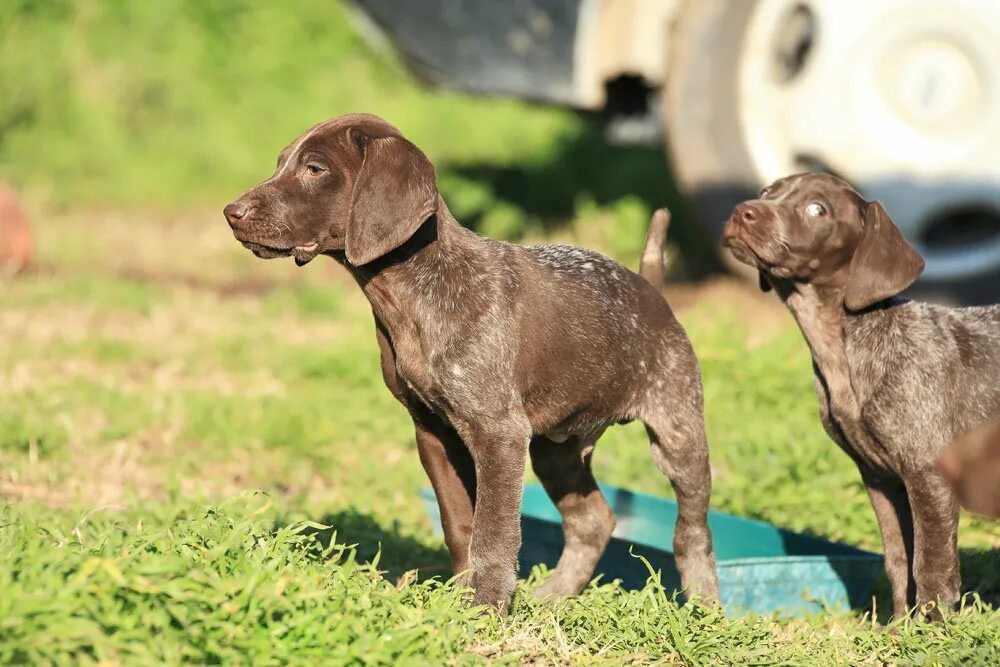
x=932 y=84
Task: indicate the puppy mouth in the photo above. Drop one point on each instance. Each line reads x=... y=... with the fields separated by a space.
x=736 y=243
x=265 y=251
x=303 y=254
x=745 y=255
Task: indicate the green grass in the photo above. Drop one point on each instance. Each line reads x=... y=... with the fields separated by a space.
x=136 y=412
x=187 y=99
x=152 y=372
x=247 y=580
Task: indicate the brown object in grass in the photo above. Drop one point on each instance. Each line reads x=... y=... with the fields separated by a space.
x=15 y=233
x=972 y=465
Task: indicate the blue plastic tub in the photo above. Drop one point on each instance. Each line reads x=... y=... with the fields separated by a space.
x=762 y=568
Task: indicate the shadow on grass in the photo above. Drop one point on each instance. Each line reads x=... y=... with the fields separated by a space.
x=400 y=552
x=397 y=551
x=584 y=165
x=980 y=575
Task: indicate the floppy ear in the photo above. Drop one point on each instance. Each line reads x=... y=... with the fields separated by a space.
x=394 y=194
x=763 y=282
x=884 y=263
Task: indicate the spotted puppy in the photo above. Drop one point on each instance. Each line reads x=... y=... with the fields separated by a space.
x=897 y=380
x=499 y=352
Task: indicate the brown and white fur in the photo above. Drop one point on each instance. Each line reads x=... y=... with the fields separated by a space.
x=499 y=352
x=897 y=380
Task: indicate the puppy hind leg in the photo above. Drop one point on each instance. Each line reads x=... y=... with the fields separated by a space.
x=895 y=522
x=565 y=472
x=680 y=451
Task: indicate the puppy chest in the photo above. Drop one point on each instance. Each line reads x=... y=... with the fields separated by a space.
x=857 y=437
x=435 y=387
x=416 y=377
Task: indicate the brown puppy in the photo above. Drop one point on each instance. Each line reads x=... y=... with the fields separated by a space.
x=897 y=381
x=499 y=352
x=972 y=465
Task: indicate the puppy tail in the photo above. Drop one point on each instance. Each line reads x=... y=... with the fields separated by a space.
x=651 y=266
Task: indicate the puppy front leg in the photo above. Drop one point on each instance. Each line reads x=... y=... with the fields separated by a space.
x=450 y=469
x=935 y=537
x=500 y=451
x=444 y=457
x=892 y=509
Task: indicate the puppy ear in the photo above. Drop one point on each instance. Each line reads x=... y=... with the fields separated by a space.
x=884 y=263
x=765 y=284
x=394 y=194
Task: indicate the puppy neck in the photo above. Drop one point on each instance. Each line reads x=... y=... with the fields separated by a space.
x=423 y=283
x=821 y=317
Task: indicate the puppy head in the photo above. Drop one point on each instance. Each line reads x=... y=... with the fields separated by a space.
x=352 y=183
x=814 y=228
x=972 y=465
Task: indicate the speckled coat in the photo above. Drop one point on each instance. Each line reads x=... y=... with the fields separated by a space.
x=897 y=380
x=499 y=352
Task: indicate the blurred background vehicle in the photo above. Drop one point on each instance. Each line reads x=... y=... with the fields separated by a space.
x=900 y=97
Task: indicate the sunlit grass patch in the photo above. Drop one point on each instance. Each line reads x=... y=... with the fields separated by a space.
x=147 y=417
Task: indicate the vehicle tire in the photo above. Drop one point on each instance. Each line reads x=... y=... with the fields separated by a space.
x=723 y=148
x=705 y=145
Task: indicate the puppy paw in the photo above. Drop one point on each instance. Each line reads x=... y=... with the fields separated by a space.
x=557 y=587
x=494 y=587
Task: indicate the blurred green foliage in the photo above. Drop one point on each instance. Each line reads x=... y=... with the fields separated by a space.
x=176 y=104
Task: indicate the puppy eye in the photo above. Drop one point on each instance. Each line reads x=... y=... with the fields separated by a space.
x=316 y=168
x=816 y=209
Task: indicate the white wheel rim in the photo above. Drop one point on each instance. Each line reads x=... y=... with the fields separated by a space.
x=900 y=96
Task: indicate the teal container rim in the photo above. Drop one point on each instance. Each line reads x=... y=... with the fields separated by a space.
x=860 y=555
x=787 y=560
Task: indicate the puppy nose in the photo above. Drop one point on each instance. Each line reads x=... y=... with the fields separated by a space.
x=235 y=212
x=747 y=213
